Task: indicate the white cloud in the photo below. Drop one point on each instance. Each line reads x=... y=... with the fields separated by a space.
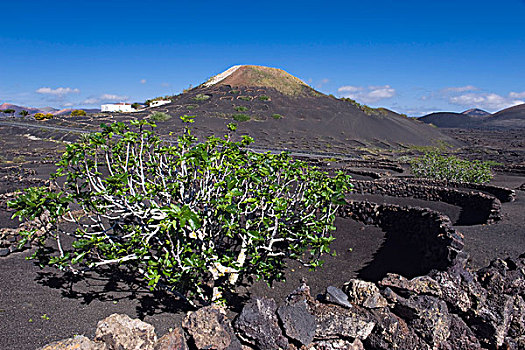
x=58 y=92
x=490 y=101
x=349 y=88
x=143 y=81
x=166 y=85
x=369 y=94
x=517 y=94
x=105 y=98
x=67 y=104
x=460 y=88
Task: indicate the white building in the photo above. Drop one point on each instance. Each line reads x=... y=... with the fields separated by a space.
x=116 y=107
x=157 y=103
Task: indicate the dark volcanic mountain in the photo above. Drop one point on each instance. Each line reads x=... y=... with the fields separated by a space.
x=476 y=112
x=452 y=120
x=279 y=109
x=510 y=118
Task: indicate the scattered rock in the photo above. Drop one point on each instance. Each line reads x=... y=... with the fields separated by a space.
x=299 y=324
x=210 y=329
x=337 y=296
x=78 y=342
x=365 y=294
x=427 y=315
x=120 y=332
x=258 y=325
x=174 y=340
x=337 y=322
x=339 y=344
x=461 y=337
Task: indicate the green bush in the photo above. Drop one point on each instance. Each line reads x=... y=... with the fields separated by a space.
x=201 y=97
x=277 y=116
x=193 y=217
x=245 y=98
x=241 y=117
x=240 y=108
x=159 y=117
x=78 y=113
x=42 y=116
x=432 y=165
x=235 y=92
x=264 y=98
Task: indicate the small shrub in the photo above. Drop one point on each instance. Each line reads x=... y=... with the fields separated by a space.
x=19 y=159
x=196 y=217
x=245 y=98
x=432 y=165
x=42 y=116
x=240 y=108
x=201 y=97
x=159 y=117
x=78 y=113
x=235 y=92
x=241 y=117
x=277 y=116
x=190 y=107
x=264 y=98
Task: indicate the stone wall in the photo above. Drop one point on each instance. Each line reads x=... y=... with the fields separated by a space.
x=424 y=239
x=501 y=193
x=477 y=207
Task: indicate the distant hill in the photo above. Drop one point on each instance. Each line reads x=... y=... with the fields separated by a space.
x=509 y=118
x=18 y=109
x=513 y=117
x=33 y=110
x=452 y=120
x=277 y=108
x=476 y=112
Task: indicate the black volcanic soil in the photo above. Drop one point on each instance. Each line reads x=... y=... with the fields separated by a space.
x=28 y=293
x=308 y=122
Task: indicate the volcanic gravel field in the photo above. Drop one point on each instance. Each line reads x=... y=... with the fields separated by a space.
x=38 y=306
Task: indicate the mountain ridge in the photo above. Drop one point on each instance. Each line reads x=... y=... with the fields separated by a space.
x=269 y=104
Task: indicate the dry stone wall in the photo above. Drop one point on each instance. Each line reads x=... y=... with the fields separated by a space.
x=424 y=235
x=477 y=207
x=501 y=193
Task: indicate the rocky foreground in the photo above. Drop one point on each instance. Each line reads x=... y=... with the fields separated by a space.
x=453 y=309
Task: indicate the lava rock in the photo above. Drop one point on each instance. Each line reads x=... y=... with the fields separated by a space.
x=258 y=325
x=78 y=342
x=337 y=296
x=427 y=315
x=461 y=336
x=174 y=340
x=298 y=322
x=365 y=294
x=392 y=332
x=210 y=329
x=334 y=321
x=119 y=331
x=339 y=344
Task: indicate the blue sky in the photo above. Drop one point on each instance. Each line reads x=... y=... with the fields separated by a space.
x=411 y=56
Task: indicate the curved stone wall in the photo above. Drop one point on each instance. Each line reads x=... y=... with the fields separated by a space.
x=417 y=240
x=501 y=193
x=477 y=207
